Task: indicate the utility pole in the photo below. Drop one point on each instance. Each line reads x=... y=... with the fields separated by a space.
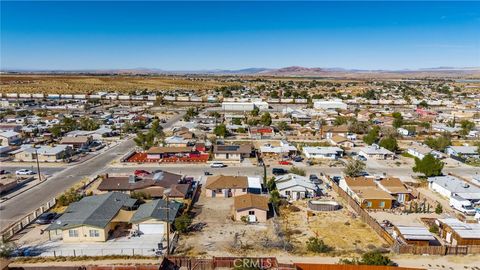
x=38 y=166
x=168 y=227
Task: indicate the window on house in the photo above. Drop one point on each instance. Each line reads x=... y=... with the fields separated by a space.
x=382 y=204
x=251 y=212
x=72 y=233
x=94 y=233
x=287 y=192
x=369 y=204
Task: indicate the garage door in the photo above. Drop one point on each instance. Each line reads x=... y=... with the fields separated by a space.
x=151 y=228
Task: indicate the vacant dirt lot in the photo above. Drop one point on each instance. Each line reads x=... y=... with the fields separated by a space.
x=218 y=237
x=339 y=229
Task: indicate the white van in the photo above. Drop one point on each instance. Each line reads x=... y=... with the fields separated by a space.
x=462 y=205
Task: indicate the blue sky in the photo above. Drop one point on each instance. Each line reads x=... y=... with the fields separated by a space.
x=233 y=35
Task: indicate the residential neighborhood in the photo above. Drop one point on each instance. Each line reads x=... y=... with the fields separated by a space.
x=244 y=135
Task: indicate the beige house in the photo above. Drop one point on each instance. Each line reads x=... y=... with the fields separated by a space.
x=341 y=141
x=254 y=208
x=44 y=153
x=234 y=153
x=225 y=186
x=94 y=218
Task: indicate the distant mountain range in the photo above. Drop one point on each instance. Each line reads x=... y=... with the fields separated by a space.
x=296 y=71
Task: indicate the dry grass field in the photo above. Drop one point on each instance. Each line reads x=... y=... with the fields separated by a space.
x=88 y=84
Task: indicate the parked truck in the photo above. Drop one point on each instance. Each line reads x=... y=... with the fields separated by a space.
x=462 y=205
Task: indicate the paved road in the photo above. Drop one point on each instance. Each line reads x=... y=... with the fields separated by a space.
x=17 y=207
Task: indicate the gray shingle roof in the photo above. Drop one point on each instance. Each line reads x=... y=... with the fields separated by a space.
x=156 y=209
x=95 y=211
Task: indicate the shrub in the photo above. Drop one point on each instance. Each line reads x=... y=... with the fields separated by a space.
x=317 y=245
x=438 y=209
x=433 y=229
x=299 y=171
x=182 y=223
x=69 y=197
x=370 y=258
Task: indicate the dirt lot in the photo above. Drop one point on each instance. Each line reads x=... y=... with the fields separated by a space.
x=349 y=235
x=218 y=237
x=339 y=229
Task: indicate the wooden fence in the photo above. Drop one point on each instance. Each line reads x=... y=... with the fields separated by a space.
x=191 y=263
x=435 y=250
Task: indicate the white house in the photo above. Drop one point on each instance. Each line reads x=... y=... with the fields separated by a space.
x=329 y=104
x=449 y=185
x=295 y=187
x=421 y=150
x=376 y=152
x=327 y=152
x=9 y=138
x=284 y=149
x=465 y=151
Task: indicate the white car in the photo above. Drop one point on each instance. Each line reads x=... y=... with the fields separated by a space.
x=24 y=172
x=217 y=165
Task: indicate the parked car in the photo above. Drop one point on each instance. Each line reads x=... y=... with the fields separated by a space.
x=46 y=218
x=4 y=172
x=279 y=171
x=217 y=165
x=284 y=162
x=362 y=158
x=297 y=159
x=24 y=172
x=207 y=173
x=314 y=178
x=141 y=173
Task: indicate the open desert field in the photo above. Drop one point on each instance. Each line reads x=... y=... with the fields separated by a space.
x=83 y=84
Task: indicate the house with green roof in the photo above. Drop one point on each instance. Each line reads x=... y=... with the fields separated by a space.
x=152 y=217
x=94 y=218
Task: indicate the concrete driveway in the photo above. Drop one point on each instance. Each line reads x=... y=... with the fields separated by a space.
x=141 y=245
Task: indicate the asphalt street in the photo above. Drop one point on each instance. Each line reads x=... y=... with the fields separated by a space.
x=17 y=207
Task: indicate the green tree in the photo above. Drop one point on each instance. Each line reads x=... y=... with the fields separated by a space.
x=145 y=140
x=89 y=124
x=220 y=130
x=354 y=168
x=56 y=131
x=271 y=184
x=340 y=120
x=237 y=121
x=266 y=119
x=283 y=125
x=275 y=199
x=438 y=209
x=68 y=124
x=255 y=111
x=182 y=223
x=423 y=104
x=191 y=112
x=389 y=143
x=467 y=126
x=439 y=143
x=372 y=135
x=429 y=166
x=317 y=245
